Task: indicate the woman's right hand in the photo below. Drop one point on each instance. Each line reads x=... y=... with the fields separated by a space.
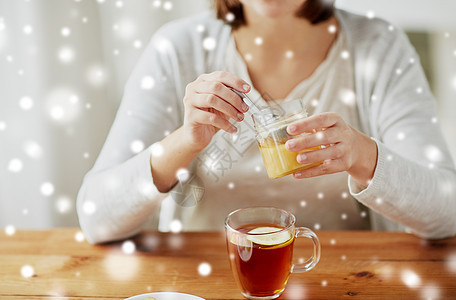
x=209 y=104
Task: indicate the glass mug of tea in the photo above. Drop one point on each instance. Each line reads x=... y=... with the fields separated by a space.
x=260 y=246
x=271 y=128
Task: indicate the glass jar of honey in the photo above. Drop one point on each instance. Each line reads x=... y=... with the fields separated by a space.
x=271 y=134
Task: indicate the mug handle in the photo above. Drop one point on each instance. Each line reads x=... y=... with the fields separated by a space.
x=310 y=263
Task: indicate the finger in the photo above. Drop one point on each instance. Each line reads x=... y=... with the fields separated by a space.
x=316 y=122
x=327 y=167
x=190 y=88
x=211 y=118
x=334 y=152
x=227 y=79
x=223 y=92
x=218 y=104
x=213 y=110
x=316 y=139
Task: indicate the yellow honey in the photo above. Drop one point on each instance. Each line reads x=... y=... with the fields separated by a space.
x=280 y=162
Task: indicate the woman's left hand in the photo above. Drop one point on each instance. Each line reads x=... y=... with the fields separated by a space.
x=346 y=149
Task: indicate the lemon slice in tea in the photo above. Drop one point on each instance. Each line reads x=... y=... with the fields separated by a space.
x=271 y=238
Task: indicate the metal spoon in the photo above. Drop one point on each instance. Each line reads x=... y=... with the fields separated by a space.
x=264 y=116
x=254 y=109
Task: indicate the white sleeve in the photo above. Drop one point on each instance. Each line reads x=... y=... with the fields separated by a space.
x=118 y=195
x=414 y=183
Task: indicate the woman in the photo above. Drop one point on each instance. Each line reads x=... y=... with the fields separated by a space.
x=360 y=78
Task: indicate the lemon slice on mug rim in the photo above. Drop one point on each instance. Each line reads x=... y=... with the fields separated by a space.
x=266 y=236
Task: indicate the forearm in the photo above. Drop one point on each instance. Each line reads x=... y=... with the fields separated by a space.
x=366 y=160
x=115 y=202
x=418 y=197
x=172 y=154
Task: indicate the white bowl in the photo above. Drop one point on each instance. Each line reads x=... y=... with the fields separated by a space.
x=165 y=296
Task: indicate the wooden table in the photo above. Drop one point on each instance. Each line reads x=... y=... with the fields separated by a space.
x=362 y=265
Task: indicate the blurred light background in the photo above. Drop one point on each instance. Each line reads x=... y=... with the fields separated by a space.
x=63 y=66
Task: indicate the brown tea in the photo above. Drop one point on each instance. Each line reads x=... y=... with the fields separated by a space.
x=261 y=262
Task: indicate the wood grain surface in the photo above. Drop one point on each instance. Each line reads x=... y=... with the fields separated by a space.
x=358 y=265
